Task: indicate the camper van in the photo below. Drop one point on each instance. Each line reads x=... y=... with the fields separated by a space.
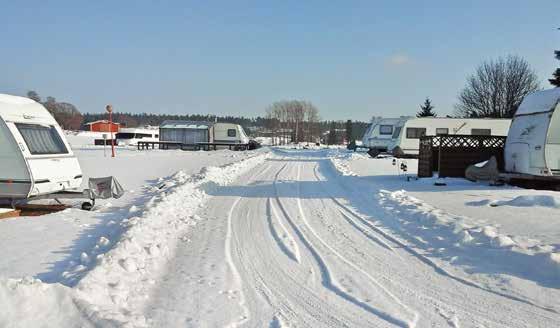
x=35 y=158
x=380 y=133
x=131 y=136
x=533 y=142
x=406 y=141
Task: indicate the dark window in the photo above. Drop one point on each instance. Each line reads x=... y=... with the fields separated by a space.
x=397 y=132
x=481 y=132
x=157 y=136
x=124 y=135
x=231 y=133
x=415 y=133
x=41 y=139
x=143 y=135
x=385 y=129
x=440 y=131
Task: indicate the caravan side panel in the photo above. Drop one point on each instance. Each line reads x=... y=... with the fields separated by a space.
x=15 y=181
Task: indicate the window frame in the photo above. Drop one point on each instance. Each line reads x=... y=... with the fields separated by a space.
x=229 y=134
x=382 y=133
x=417 y=134
x=442 y=134
x=54 y=134
x=481 y=134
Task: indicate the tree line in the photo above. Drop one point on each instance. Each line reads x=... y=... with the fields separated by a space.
x=66 y=114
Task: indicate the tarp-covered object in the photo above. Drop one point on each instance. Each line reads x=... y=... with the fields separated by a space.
x=104 y=188
x=486 y=171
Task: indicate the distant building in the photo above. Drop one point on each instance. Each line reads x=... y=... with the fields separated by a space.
x=103 y=126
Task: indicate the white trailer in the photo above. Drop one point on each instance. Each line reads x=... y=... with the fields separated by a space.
x=533 y=142
x=379 y=134
x=407 y=141
x=35 y=158
x=229 y=133
x=131 y=136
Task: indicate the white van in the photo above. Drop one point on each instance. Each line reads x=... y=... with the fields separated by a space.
x=131 y=136
x=35 y=158
x=407 y=141
x=533 y=142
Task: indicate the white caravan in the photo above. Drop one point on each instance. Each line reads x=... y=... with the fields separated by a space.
x=229 y=133
x=131 y=136
x=533 y=142
x=407 y=141
x=35 y=158
x=379 y=134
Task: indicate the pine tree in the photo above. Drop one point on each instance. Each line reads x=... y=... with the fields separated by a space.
x=426 y=110
x=349 y=132
x=556 y=80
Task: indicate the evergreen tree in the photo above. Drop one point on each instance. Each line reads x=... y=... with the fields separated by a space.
x=349 y=137
x=556 y=80
x=331 y=139
x=426 y=110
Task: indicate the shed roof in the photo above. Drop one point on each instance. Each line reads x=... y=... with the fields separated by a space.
x=102 y=121
x=170 y=124
x=539 y=102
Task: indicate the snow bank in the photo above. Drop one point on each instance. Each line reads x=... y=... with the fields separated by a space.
x=530 y=200
x=472 y=237
x=119 y=283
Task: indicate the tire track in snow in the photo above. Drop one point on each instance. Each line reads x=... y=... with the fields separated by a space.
x=236 y=276
x=365 y=306
x=326 y=275
x=282 y=299
x=429 y=262
x=285 y=240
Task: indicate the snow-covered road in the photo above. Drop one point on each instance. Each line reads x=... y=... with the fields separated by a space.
x=294 y=243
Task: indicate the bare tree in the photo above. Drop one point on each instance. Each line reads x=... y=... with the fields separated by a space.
x=497 y=88
x=293 y=121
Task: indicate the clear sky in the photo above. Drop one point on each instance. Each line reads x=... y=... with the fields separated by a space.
x=352 y=59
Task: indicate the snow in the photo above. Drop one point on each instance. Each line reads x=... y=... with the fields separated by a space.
x=64 y=247
x=540 y=101
x=288 y=237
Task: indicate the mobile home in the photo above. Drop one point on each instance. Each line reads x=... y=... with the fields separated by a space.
x=191 y=132
x=533 y=142
x=35 y=158
x=379 y=134
x=406 y=141
x=131 y=136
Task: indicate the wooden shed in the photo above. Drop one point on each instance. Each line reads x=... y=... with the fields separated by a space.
x=103 y=126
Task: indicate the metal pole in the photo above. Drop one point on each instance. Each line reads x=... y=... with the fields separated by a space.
x=109 y=109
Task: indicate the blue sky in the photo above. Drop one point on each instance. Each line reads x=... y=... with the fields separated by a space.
x=352 y=59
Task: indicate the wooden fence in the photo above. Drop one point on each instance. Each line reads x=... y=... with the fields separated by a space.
x=450 y=155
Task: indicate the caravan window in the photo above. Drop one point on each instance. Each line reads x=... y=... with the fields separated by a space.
x=231 y=133
x=385 y=129
x=397 y=132
x=415 y=133
x=481 y=132
x=442 y=131
x=143 y=135
x=42 y=140
x=124 y=135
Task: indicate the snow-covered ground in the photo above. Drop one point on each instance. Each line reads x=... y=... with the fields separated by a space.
x=292 y=237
